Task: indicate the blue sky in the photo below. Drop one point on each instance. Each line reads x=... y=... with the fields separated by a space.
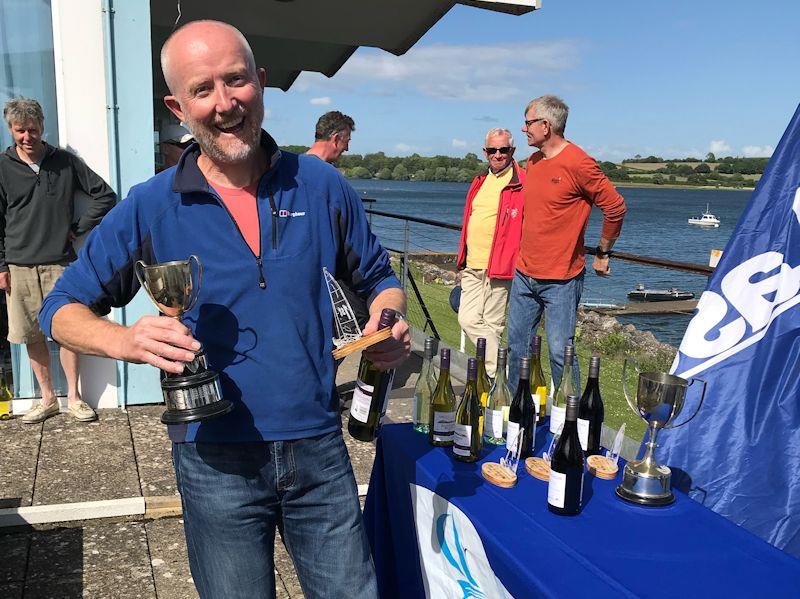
x=641 y=77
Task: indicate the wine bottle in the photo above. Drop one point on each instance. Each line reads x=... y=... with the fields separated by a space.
x=565 y=488
x=423 y=391
x=483 y=382
x=498 y=403
x=5 y=398
x=443 y=405
x=468 y=434
x=371 y=393
x=522 y=413
x=538 y=383
x=590 y=411
x=565 y=388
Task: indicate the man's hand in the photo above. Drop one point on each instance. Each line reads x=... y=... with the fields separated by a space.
x=5 y=281
x=602 y=266
x=390 y=352
x=459 y=273
x=163 y=342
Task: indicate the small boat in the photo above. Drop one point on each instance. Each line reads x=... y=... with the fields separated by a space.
x=705 y=220
x=641 y=294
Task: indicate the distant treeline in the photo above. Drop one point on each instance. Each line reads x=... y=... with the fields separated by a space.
x=406 y=168
x=728 y=171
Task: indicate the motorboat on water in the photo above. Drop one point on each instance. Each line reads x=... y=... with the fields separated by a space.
x=705 y=220
x=642 y=294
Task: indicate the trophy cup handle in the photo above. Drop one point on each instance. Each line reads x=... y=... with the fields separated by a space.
x=195 y=284
x=138 y=269
x=702 y=398
x=631 y=403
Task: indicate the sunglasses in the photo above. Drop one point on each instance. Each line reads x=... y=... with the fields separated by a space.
x=503 y=150
x=532 y=121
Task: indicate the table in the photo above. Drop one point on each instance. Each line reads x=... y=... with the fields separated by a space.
x=478 y=540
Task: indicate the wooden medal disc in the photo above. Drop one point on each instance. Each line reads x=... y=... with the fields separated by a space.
x=538 y=468
x=497 y=475
x=602 y=467
x=363 y=343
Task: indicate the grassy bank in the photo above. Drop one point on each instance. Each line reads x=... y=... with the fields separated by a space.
x=612 y=348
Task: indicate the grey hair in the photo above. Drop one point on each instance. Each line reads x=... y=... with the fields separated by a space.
x=499 y=131
x=165 y=61
x=22 y=110
x=552 y=109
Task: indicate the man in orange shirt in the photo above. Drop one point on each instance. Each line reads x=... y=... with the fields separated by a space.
x=562 y=183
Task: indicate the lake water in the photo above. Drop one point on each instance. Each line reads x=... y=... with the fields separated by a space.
x=655 y=225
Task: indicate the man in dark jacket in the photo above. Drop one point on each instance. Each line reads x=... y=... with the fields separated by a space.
x=37 y=227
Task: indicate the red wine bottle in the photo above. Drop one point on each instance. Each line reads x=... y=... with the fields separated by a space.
x=372 y=392
x=565 y=488
x=590 y=411
x=522 y=413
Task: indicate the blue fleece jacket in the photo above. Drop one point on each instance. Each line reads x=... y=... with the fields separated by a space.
x=265 y=322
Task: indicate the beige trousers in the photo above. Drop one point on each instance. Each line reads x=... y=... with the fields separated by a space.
x=483 y=311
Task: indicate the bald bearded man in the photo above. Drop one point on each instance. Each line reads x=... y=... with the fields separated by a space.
x=264 y=224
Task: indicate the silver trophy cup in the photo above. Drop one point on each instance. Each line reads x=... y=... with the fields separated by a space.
x=194 y=394
x=659 y=401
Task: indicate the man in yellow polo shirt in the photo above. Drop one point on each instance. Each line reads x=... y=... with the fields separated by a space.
x=490 y=238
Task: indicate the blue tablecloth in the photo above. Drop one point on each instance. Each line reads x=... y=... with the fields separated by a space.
x=612 y=549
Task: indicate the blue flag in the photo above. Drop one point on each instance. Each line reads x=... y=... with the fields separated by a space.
x=741 y=455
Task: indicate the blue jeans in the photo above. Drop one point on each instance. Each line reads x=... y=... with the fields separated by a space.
x=559 y=301
x=234 y=496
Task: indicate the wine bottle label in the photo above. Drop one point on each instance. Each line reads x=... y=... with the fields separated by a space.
x=484 y=398
x=583 y=432
x=362 y=398
x=494 y=423
x=541 y=392
x=443 y=425
x=511 y=435
x=462 y=437
x=557 y=416
x=556 y=488
x=537 y=402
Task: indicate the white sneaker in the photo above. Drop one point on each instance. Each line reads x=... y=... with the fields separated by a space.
x=40 y=413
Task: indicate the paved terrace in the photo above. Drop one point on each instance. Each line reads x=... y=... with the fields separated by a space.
x=120 y=457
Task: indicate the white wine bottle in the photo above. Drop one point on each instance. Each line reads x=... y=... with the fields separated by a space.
x=372 y=392
x=423 y=391
x=483 y=382
x=468 y=434
x=443 y=405
x=538 y=383
x=565 y=388
x=565 y=487
x=495 y=421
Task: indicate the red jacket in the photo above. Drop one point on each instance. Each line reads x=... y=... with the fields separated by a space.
x=507 y=229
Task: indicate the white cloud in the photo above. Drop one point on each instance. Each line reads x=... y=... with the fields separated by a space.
x=719 y=147
x=267 y=114
x=323 y=101
x=459 y=143
x=757 y=151
x=493 y=72
x=401 y=147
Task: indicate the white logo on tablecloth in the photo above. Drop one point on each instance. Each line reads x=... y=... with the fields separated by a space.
x=452 y=559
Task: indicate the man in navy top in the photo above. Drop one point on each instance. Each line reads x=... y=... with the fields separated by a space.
x=264 y=224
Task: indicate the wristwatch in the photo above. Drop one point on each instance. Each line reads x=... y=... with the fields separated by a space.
x=601 y=253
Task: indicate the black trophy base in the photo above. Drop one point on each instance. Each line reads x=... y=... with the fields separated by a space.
x=661 y=501
x=218 y=408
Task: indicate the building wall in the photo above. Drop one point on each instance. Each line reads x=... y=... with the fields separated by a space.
x=82 y=98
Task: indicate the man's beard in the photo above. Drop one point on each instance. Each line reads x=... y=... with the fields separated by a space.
x=234 y=150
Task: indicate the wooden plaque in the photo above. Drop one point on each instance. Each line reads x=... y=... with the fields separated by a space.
x=497 y=475
x=538 y=468
x=602 y=467
x=363 y=343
